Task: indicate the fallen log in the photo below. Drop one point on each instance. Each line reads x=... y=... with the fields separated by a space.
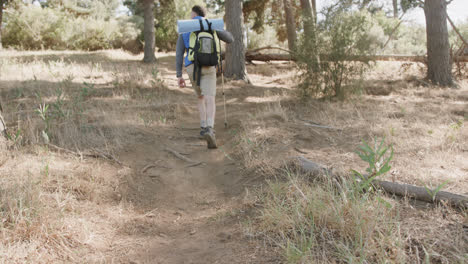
x=399 y=189
x=266 y=57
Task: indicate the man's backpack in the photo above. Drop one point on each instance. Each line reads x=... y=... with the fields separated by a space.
x=204 y=49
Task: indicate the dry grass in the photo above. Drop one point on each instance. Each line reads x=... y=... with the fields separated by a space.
x=80 y=96
x=427 y=128
x=315 y=223
x=56 y=206
x=46 y=202
x=60 y=207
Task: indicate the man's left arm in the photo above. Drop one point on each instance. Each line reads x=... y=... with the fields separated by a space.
x=180 y=51
x=225 y=36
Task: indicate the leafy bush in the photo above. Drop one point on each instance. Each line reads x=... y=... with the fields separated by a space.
x=325 y=57
x=34 y=28
x=31 y=27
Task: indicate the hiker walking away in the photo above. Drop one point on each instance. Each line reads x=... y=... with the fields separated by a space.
x=203 y=54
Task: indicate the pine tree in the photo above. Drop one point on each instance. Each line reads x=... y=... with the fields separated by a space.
x=439 y=66
x=149 y=31
x=235 y=52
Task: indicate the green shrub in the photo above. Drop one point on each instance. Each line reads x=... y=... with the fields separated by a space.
x=325 y=58
x=31 y=27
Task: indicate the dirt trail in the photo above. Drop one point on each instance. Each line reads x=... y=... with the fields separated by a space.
x=194 y=211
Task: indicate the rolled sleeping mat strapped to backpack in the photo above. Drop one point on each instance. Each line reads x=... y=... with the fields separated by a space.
x=184 y=26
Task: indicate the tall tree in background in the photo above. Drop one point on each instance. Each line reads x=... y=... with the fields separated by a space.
x=308 y=20
x=395 y=8
x=1 y=20
x=235 y=52
x=149 y=31
x=314 y=10
x=439 y=67
x=274 y=13
x=290 y=24
x=166 y=24
x=3 y=4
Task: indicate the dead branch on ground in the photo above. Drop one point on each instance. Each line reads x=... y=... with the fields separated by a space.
x=399 y=189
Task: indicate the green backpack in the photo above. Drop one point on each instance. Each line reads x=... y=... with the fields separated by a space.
x=204 y=49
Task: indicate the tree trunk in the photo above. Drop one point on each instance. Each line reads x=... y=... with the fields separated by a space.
x=1 y=21
x=395 y=8
x=314 y=10
x=149 y=31
x=308 y=18
x=290 y=24
x=439 y=66
x=235 y=52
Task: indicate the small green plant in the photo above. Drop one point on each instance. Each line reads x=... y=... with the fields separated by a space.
x=43 y=113
x=19 y=93
x=455 y=130
x=14 y=138
x=162 y=119
x=45 y=170
x=115 y=79
x=457 y=125
x=59 y=103
x=147 y=119
x=377 y=158
x=87 y=89
x=68 y=80
x=156 y=80
x=433 y=193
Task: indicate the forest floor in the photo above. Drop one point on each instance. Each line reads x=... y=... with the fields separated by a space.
x=109 y=189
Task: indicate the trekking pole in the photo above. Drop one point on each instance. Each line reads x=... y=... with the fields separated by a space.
x=224 y=99
x=222 y=81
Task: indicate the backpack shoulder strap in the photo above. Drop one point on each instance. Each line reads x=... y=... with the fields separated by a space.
x=202 y=28
x=209 y=25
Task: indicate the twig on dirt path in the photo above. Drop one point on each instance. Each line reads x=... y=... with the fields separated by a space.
x=313 y=124
x=149 y=166
x=424 y=83
x=275 y=81
x=180 y=156
x=64 y=150
x=194 y=165
x=187 y=128
x=98 y=154
x=154 y=176
x=320 y=126
x=196 y=145
x=105 y=156
x=300 y=151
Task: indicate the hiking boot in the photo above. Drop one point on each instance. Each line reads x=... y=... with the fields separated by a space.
x=210 y=138
x=203 y=132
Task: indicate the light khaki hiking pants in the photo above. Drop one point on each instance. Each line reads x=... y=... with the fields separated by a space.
x=207 y=81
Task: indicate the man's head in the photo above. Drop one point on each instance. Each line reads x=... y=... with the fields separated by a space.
x=198 y=11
